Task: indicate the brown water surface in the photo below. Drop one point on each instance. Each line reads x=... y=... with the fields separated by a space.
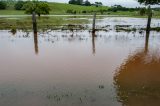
x=76 y=68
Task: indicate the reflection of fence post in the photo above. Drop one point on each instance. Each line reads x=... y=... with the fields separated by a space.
x=36 y=42
x=93 y=44
x=94 y=23
x=34 y=22
x=149 y=19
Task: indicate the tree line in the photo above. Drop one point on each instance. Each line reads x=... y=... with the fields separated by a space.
x=38 y=7
x=84 y=3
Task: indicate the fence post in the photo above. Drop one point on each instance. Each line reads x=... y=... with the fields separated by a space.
x=149 y=19
x=34 y=22
x=94 y=23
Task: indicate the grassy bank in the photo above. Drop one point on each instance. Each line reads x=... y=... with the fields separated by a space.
x=59 y=9
x=67 y=9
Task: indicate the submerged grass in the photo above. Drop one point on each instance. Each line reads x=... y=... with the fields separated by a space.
x=42 y=23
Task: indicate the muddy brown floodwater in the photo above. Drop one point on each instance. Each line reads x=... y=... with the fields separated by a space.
x=76 y=68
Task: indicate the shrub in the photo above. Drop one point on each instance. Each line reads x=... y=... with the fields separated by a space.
x=84 y=11
x=69 y=11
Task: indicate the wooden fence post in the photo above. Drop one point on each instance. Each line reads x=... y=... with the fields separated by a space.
x=34 y=22
x=149 y=19
x=148 y=28
x=94 y=23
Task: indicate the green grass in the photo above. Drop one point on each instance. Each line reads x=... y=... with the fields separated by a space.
x=11 y=12
x=61 y=9
x=57 y=9
x=25 y=23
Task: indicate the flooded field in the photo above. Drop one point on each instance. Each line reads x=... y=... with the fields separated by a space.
x=64 y=64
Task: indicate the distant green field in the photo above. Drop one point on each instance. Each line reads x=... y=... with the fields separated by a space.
x=58 y=9
x=62 y=8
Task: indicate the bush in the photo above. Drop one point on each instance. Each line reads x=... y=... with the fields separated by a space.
x=102 y=11
x=3 y=5
x=69 y=11
x=84 y=11
x=19 y=5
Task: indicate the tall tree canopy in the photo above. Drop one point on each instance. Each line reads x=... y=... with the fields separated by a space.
x=3 y=5
x=149 y=2
x=19 y=5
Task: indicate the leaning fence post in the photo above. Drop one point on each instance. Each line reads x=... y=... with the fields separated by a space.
x=94 y=23
x=34 y=22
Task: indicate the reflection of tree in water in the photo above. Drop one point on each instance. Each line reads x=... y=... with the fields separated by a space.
x=137 y=81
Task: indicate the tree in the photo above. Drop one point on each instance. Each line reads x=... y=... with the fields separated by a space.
x=87 y=3
x=3 y=5
x=19 y=5
x=149 y=2
x=149 y=11
x=77 y=2
x=37 y=7
x=72 y=2
x=98 y=4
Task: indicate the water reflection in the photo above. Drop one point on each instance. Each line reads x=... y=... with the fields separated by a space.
x=36 y=43
x=146 y=42
x=13 y=31
x=137 y=80
x=93 y=44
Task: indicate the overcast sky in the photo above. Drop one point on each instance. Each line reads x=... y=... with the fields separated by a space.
x=128 y=3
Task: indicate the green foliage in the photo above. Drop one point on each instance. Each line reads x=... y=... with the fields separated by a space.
x=71 y=11
x=98 y=4
x=87 y=3
x=38 y=7
x=84 y=11
x=142 y=11
x=3 y=5
x=116 y=8
x=77 y=2
x=149 y=2
x=19 y=5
